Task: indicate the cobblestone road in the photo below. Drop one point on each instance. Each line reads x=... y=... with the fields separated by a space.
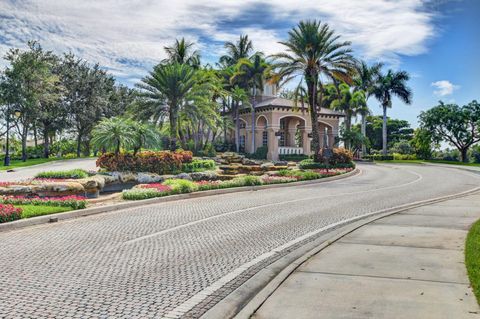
x=162 y=260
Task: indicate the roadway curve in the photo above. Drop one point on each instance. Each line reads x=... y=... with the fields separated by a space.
x=168 y=259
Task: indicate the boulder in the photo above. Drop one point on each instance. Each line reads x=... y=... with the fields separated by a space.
x=248 y=161
x=204 y=176
x=16 y=190
x=145 y=178
x=267 y=166
x=58 y=189
x=183 y=176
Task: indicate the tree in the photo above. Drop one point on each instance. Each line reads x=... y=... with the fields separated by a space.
x=422 y=143
x=397 y=130
x=388 y=85
x=314 y=51
x=364 y=80
x=182 y=52
x=350 y=103
x=236 y=51
x=144 y=135
x=165 y=90
x=456 y=125
x=113 y=134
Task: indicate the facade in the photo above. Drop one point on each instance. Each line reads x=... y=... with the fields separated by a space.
x=283 y=127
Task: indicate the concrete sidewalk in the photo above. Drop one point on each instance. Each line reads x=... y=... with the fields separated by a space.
x=408 y=265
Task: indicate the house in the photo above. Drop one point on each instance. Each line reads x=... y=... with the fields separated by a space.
x=284 y=127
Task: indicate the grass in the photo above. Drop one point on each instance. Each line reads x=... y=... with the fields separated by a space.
x=38 y=210
x=30 y=162
x=429 y=161
x=472 y=258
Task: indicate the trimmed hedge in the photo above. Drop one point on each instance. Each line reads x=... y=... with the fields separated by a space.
x=198 y=166
x=162 y=162
x=293 y=157
x=70 y=174
x=379 y=157
x=310 y=164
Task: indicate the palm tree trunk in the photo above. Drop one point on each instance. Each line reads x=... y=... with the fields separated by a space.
x=173 y=129
x=364 y=134
x=253 y=120
x=384 y=131
x=237 y=128
x=348 y=127
x=314 y=118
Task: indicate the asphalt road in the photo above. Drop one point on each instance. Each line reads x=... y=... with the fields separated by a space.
x=23 y=173
x=178 y=259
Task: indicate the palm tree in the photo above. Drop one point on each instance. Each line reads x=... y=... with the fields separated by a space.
x=145 y=135
x=236 y=51
x=388 y=85
x=251 y=74
x=350 y=103
x=364 y=80
x=313 y=52
x=113 y=133
x=182 y=52
x=165 y=90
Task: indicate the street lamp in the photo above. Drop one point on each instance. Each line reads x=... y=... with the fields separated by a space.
x=17 y=114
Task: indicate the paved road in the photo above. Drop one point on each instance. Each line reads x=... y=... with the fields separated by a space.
x=180 y=258
x=23 y=173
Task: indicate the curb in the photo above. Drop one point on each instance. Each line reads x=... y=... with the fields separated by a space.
x=246 y=299
x=115 y=207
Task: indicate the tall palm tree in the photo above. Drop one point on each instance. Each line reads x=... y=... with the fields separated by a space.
x=113 y=133
x=242 y=49
x=165 y=90
x=251 y=74
x=182 y=52
x=315 y=52
x=388 y=85
x=364 y=80
x=350 y=103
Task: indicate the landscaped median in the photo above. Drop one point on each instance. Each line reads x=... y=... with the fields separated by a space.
x=472 y=258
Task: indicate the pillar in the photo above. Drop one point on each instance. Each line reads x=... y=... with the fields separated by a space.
x=272 y=145
x=307 y=150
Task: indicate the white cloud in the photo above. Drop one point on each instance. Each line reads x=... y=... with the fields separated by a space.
x=444 y=88
x=112 y=32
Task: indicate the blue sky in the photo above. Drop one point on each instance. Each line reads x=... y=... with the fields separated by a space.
x=437 y=41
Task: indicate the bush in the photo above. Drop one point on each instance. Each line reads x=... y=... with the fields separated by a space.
x=379 y=157
x=260 y=153
x=180 y=186
x=310 y=164
x=293 y=157
x=9 y=213
x=299 y=175
x=404 y=157
x=208 y=185
x=199 y=166
x=70 y=156
x=341 y=156
x=75 y=202
x=142 y=193
x=64 y=147
x=162 y=162
x=73 y=173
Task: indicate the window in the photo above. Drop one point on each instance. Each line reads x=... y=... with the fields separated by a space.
x=242 y=124
x=282 y=138
x=264 y=138
x=242 y=143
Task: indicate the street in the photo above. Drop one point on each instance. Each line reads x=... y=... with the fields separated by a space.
x=178 y=259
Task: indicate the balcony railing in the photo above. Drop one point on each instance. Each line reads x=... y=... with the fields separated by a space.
x=287 y=150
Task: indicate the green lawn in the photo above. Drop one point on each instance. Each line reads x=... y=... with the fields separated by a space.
x=428 y=161
x=30 y=162
x=38 y=210
x=472 y=258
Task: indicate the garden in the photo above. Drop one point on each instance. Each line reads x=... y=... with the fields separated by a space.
x=150 y=174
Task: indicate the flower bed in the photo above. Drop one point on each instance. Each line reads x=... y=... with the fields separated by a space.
x=75 y=202
x=180 y=186
x=9 y=213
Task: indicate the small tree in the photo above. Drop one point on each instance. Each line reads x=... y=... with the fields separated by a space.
x=456 y=125
x=113 y=134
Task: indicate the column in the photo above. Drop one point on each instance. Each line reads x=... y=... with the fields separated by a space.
x=306 y=142
x=272 y=145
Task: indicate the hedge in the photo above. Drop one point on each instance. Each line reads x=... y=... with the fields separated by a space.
x=198 y=166
x=162 y=162
x=310 y=164
x=73 y=174
x=379 y=157
x=293 y=157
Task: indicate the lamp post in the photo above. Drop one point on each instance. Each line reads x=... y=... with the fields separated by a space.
x=7 y=142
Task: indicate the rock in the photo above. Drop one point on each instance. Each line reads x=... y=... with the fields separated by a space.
x=145 y=178
x=183 y=176
x=58 y=189
x=204 y=176
x=248 y=161
x=280 y=163
x=16 y=190
x=267 y=166
x=292 y=164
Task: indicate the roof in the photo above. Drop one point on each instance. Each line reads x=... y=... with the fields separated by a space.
x=280 y=102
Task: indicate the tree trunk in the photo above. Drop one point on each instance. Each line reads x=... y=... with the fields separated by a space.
x=384 y=131
x=35 y=139
x=348 y=127
x=314 y=118
x=24 y=143
x=463 y=153
x=237 y=128
x=224 y=125
x=253 y=120
x=173 y=130
x=79 y=144
x=46 y=142
x=364 y=134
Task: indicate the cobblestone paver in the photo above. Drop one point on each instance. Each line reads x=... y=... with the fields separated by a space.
x=128 y=264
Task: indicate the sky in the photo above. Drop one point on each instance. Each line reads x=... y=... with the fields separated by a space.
x=436 y=41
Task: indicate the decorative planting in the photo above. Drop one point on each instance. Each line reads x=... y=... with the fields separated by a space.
x=75 y=202
x=70 y=174
x=9 y=213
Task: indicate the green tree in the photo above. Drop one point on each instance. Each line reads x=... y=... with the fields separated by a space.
x=456 y=125
x=422 y=143
x=113 y=134
x=364 y=80
x=182 y=52
x=314 y=51
x=145 y=135
x=397 y=130
x=242 y=49
x=388 y=85
x=165 y=90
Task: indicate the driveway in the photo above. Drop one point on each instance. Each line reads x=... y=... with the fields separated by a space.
x=23 y=173
x=178 y=259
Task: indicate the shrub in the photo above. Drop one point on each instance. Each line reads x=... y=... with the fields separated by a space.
x=341 y=156
x=162 y=162
x=310 y=164
x=250 y=180
x=64 y=148
x=198 y=166
x=379 y=157
x=208 y=185
x=293 y=157
x=181 y=186
x=260 y=153
x=242 y=181
x=9 y=213
x=277 y=179
x=404 y=157
x=299 y=175
x=75 y=202
x=73 y=173
x=142 y=193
